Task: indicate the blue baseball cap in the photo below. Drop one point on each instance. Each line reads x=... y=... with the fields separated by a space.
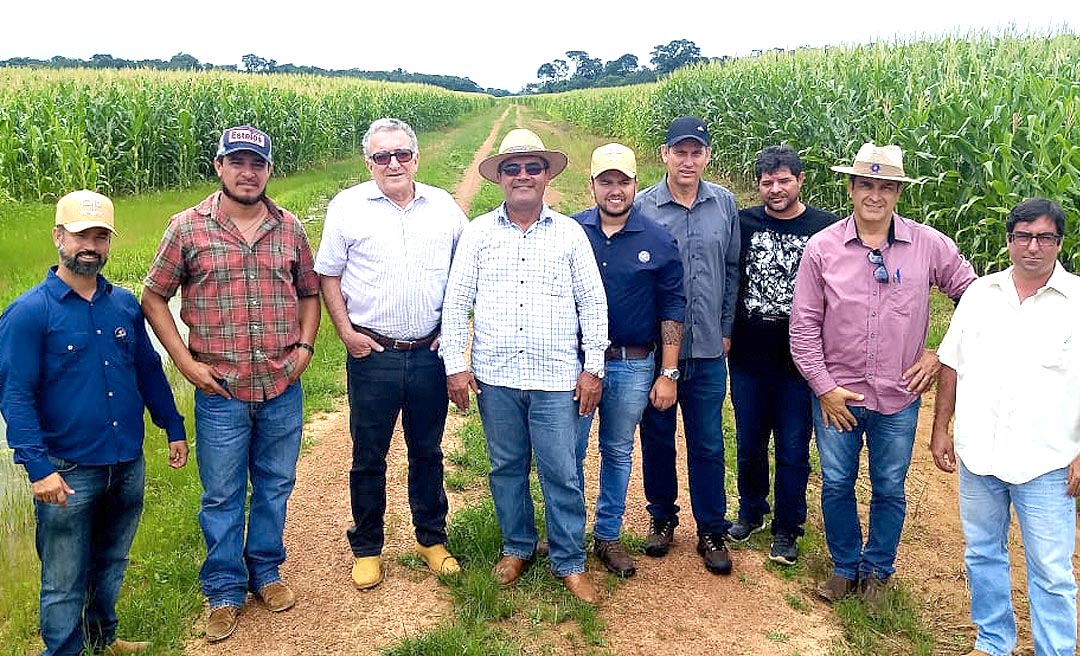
x=687 y=127
x=245 y=137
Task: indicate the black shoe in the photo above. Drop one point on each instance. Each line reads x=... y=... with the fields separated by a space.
x=785 y=549
x=661 y=535
x=741 y=530
x=715 y=553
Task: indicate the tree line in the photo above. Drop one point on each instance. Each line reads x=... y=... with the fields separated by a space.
x=556 y=76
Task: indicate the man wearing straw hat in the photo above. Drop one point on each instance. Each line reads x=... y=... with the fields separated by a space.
x=859 y=322
x=76 y=371
x=530 y=278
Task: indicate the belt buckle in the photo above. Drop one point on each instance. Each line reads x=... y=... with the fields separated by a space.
x=403 y=345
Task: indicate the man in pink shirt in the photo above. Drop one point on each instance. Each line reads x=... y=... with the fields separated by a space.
x=859 y=321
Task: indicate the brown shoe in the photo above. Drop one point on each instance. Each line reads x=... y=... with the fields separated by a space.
x=277 y=596
x=581 y=587
x=835 y=588
x=222 y=623
x=614 y=557
x=873 y=591
x=118 y=647
x=508 y=569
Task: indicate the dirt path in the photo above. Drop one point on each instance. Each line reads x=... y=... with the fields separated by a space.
x=672 y=606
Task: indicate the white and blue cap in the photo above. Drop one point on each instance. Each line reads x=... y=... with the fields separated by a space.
x=245 y=137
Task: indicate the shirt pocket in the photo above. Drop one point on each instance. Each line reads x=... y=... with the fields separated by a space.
x=65 y=353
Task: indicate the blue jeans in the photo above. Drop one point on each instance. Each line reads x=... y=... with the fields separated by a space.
x=702 y=388
x=519 y=424
x=382 y=386
x=84 y=550
x=889 y=440
x=236 y=440
x=1047 y=518
x=627 y=384
x=776 y=402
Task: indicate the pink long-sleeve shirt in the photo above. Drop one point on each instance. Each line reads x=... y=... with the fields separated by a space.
x=849 y=330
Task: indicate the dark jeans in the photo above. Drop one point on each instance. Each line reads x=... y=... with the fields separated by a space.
x=701 y=392
x=382 y=385
x=84 y=551
x=776 y=402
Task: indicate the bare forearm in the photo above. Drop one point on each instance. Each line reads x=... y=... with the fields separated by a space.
x=335 y=304
x=945 y=398
x=156 y=309
x=670 y=341
x=310 y=315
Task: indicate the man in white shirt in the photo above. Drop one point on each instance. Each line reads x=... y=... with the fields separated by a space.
x=1011 y=371
x=383 y=263
x=530 y=277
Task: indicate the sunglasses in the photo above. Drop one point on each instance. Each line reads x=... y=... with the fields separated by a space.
x=402 y=155
x=532 y=168
x=1044 y=239
x=881 y=274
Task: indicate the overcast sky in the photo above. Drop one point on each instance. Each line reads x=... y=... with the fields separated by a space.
x=496 y=44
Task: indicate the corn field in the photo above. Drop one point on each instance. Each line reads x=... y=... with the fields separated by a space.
x=986 y=120
x=136 y=131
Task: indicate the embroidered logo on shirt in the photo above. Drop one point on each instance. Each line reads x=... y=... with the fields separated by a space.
x=119 y=333
x=644 y=257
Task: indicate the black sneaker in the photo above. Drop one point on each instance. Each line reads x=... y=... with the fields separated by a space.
x=661 y=535
x=741 y=530
x=785 y=549
x=715 y=553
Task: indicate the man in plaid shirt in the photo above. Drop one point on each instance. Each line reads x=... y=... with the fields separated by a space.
x=251 y=301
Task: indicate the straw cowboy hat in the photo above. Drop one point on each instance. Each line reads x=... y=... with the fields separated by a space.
x=517 y=143
x=881 y=162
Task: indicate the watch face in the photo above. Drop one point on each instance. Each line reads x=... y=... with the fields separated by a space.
x=673 y=374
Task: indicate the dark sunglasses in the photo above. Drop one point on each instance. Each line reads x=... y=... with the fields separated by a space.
x=881 y=274
x=402 y=155
x=532 y=168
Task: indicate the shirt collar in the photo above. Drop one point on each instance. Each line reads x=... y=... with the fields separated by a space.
x=211 y=207
x=374 y=193
x=704 y=192
x=60 y=289
x=546 y=215
x=899 y=230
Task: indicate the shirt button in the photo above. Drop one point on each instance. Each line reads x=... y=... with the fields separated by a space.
x=251 y=276
x=254 y=301
x=255 y=327
x=604 y=263
x=110 y=395
x=98 y=331
x=71 y=347
x=115 y=423
x=106 y=363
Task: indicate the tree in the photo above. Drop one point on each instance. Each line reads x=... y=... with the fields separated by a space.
x=676 y=54
x=546 y=73
x=184 y=61
x=622 y=66
x=256 y=64
x=562 y=69
x=585 y=67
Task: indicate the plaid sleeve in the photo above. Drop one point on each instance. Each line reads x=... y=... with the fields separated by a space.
x=167 y=270
x=307 y=281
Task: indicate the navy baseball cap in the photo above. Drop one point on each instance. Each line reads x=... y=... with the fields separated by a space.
x=687 y=127
x=245 y=137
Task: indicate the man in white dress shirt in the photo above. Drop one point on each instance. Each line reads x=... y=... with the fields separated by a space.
x=530 y=277
x=383 y=262
x=1011 y=371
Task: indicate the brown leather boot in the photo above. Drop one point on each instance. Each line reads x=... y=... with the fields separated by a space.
x=614 y=557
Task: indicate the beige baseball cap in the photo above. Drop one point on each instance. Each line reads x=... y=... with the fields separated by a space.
x=85 y=209
x=613 y=157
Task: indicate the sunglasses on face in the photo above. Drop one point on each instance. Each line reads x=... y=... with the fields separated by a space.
x=532 y=168
x=881 y=274
x=1044 y=239
x=402 y=155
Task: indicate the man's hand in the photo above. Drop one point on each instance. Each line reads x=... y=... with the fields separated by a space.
x=178 y=454
x=205 y=377
x=587 y=393
x=458 y=386
x=303 y=359
x=941 y=447
x=1072 y=478
x=52 y=489
x=834 y=410
x=726 y=341
x=923 y=372
x=662 y=394
x=360 y=345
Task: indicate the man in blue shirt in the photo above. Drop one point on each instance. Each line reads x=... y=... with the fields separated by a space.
x=642 y=273
x=703 y=219
x=76 y=370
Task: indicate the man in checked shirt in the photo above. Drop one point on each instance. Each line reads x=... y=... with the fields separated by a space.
x=530 y=277
x=251 y=300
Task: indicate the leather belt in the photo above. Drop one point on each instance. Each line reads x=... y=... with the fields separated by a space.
x=628 y=352
x=397 y=344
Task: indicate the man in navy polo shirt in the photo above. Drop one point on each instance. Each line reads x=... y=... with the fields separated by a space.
x=643 y=279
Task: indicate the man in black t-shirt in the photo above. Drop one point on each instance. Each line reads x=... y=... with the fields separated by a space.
x=767 y=391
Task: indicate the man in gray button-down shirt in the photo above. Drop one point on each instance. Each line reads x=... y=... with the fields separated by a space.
x=704 y=221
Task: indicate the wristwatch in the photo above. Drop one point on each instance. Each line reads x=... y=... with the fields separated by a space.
x=671 y=374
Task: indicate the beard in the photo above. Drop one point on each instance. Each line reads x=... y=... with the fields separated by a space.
x=81 y=268
x=248 y=200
